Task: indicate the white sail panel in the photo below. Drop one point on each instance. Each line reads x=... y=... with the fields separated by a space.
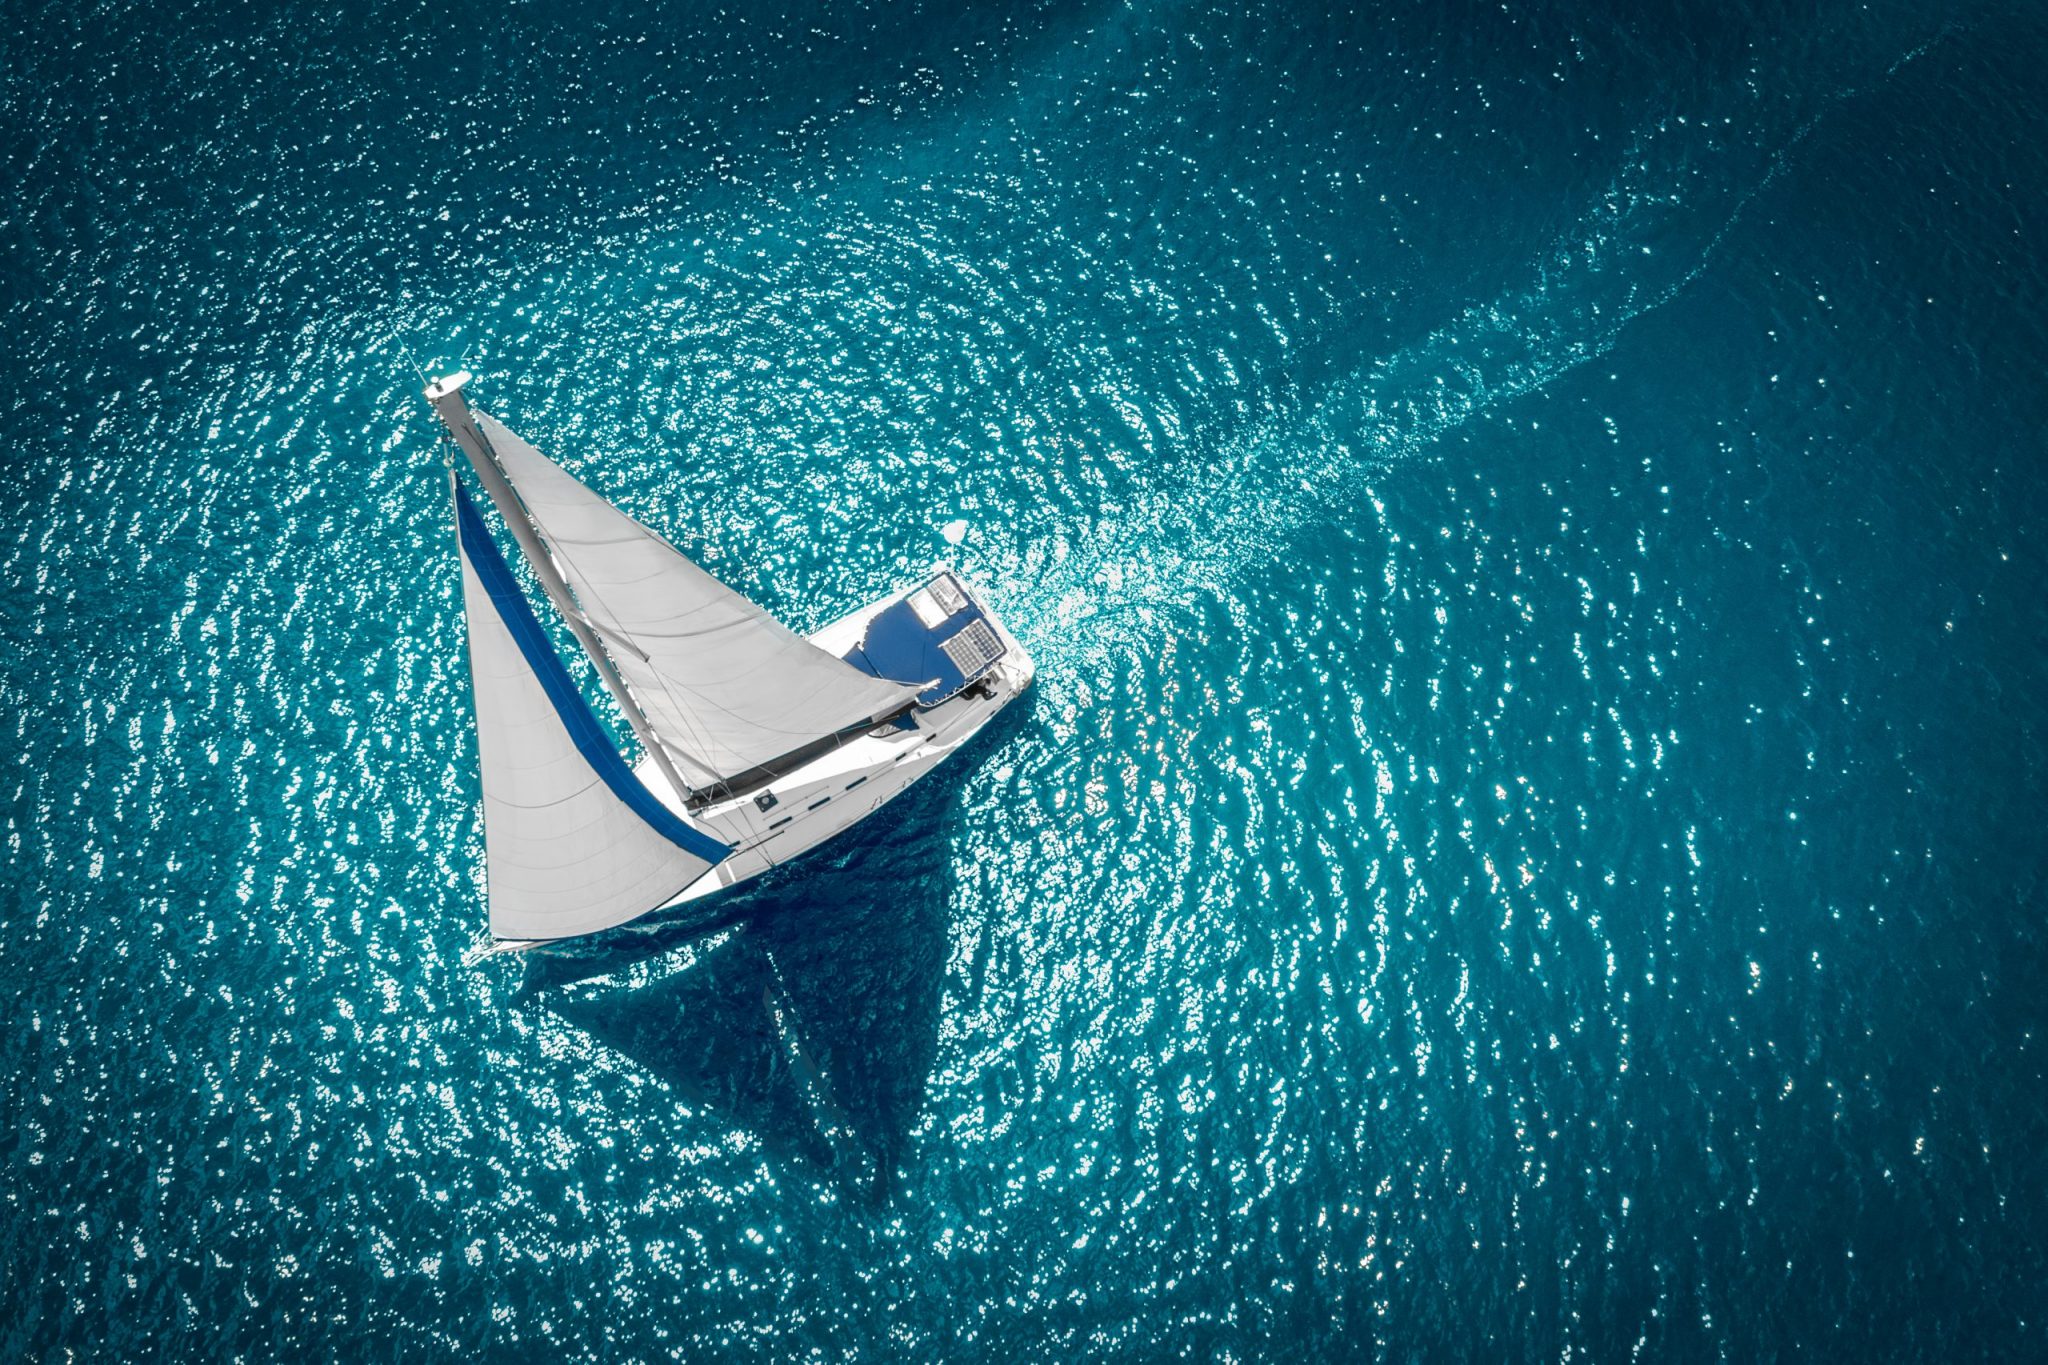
x=724 y=685
x=572 y=842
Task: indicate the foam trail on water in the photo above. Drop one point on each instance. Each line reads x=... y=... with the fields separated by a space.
x=1635 y=252
x=1188 y=536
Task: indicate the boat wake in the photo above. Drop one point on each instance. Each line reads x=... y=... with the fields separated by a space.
x=1649 y=237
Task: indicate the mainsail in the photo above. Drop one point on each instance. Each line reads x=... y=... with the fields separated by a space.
x=725 y=687
x=573 y=842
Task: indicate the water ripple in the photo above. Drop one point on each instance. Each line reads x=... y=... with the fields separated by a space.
x=1496 y=863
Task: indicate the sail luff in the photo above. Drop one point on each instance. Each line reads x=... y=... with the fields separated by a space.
x=453 y=408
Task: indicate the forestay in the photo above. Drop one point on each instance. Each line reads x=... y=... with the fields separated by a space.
x=572 y=842
x=724 y=685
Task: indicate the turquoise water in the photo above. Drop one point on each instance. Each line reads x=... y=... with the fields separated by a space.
x=1526 y=843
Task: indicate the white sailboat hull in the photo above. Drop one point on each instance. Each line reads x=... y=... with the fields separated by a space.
x=836 y=791
x=786 y=740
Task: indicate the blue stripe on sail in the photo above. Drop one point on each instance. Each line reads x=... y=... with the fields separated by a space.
x=591 y=740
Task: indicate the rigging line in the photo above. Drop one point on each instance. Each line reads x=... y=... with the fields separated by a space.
x=661 y=679
x=667 y=684
x=410 y=358
x=557 y=548
x=509 y=503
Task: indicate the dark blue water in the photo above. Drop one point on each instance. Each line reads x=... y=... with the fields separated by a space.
x=1528 y=840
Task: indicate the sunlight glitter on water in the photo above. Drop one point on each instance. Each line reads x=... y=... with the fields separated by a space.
x=1470 y=708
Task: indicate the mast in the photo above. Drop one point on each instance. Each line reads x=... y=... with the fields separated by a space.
x=453 y=409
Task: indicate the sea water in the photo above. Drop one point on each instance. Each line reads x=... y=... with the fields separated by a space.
x=1527 y=839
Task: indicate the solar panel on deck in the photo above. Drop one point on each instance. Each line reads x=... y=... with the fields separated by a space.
x=974 y=648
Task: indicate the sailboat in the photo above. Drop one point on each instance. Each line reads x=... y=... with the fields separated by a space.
x=756 y=743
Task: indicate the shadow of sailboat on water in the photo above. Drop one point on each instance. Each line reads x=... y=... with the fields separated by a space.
x=813 y=1021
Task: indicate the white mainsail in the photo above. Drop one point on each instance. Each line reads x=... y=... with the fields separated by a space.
x=572 y=842
x=725 y=686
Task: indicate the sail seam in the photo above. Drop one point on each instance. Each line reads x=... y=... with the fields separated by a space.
x=690 y=746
